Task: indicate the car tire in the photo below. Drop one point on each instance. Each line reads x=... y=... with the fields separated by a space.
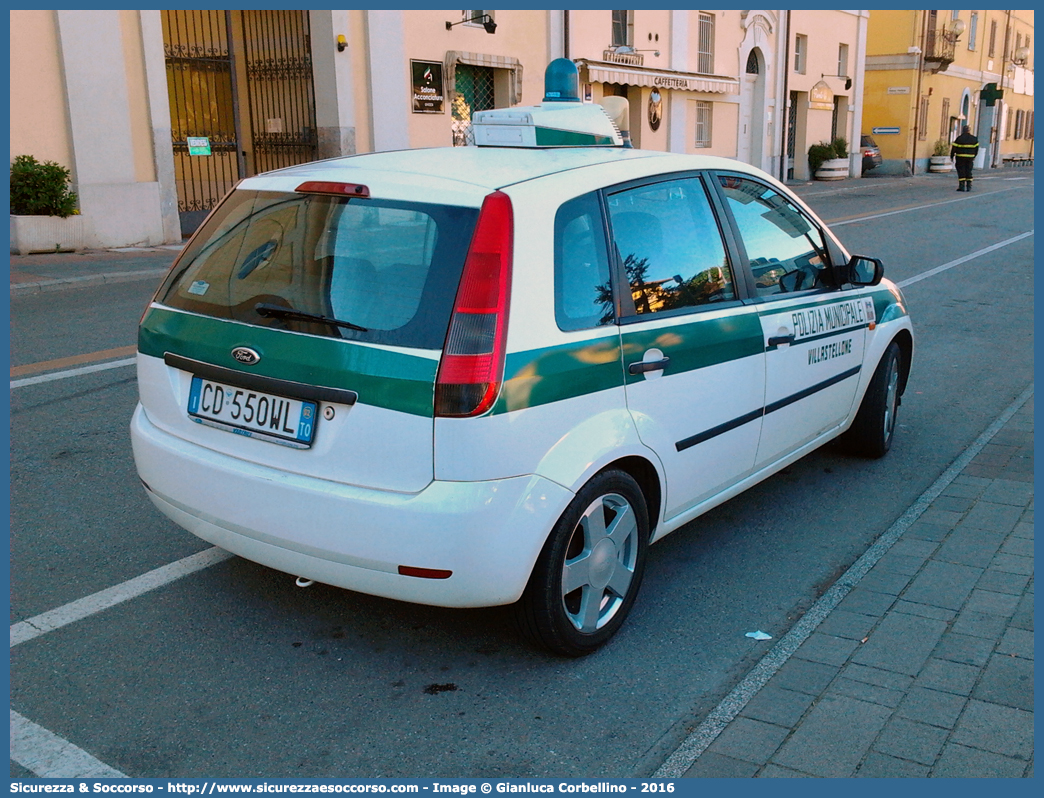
x=588 y=574
x=872 y=431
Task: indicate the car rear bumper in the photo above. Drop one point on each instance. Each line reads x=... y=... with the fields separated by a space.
x=487 y=534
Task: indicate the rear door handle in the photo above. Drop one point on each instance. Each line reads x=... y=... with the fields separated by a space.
x=643 y=366
x=776 y=340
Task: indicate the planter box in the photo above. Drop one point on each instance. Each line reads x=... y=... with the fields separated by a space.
x=47 y=234
x=940 y=163
x=833 y=169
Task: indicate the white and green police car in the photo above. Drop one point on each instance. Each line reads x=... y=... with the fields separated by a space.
x=496 y=374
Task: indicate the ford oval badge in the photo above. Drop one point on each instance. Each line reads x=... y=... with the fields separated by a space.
x=245 y=355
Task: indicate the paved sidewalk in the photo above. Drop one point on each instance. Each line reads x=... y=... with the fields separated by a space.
x=32 y=274
x=925 y=668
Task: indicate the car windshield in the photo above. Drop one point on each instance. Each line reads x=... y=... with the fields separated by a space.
x=388 y=267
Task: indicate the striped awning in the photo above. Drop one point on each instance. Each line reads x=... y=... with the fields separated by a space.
x=605 y=72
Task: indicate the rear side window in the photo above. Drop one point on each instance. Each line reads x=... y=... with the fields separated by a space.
x=583 y=293
x=391 y=268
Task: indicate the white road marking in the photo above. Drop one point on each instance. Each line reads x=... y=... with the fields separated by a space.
x=103 y=599
x=50 y=757
x=76 y=372
x=686 y=754
x=959 y=261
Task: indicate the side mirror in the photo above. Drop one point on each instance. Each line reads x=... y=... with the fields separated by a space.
x=862 y=270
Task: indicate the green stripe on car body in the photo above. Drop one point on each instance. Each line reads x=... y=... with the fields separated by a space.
x=402 y=382
x=697 y=344
x=541 y=376
x=889 y=305
x=391 y=380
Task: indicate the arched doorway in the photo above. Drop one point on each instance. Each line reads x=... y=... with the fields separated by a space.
x=966 y=109
x=752 y=110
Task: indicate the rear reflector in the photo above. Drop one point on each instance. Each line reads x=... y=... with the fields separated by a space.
x=424 y=573
x=472 y=366
x=337 y=189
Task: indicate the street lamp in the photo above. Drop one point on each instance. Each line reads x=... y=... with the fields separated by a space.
x=848 y=80
x=957 y=28
x=1020 y=56
x=485 y=19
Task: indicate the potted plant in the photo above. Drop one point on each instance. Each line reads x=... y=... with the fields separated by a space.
x=940 y=159
x=44 y=217
x=818 y=154
x=826 y=162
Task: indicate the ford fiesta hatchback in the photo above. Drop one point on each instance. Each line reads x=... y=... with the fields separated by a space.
x=496 y=374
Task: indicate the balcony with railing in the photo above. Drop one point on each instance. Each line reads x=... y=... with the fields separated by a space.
x=939 y=50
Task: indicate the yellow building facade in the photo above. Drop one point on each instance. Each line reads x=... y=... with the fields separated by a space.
x=159 y=113
x=928 y=73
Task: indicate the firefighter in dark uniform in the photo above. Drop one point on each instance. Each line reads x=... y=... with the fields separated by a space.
x=965 y=148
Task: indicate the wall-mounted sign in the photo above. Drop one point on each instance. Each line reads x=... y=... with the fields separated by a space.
x=885 y=131
x=655 y=109
x=669 y=82
x=898 y=89
x=821 y=97
x=990 y=94
x=427 y=87
x=198 y=145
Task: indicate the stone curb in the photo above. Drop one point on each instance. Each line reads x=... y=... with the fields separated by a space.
x=84 y=281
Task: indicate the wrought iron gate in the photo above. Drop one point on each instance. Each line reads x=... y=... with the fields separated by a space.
x=203 y=103
x=282 y=98
x=212 y=58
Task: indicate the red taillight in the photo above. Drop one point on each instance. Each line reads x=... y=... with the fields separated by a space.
x=472 y=366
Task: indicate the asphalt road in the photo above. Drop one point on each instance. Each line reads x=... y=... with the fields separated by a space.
x=235 y=672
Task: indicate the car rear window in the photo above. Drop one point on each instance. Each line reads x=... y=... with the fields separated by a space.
x=389 y=267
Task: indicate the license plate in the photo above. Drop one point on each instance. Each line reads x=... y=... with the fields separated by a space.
x=290 y=422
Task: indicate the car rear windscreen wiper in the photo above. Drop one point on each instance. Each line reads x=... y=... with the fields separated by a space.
x=275 y=311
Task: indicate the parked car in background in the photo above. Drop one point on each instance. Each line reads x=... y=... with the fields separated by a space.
x=871 y=153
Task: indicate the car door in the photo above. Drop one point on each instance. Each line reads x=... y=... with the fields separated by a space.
x=692 y=351
x=813 y=332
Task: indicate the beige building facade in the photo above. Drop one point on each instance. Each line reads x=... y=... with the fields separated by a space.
x=158 y=113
